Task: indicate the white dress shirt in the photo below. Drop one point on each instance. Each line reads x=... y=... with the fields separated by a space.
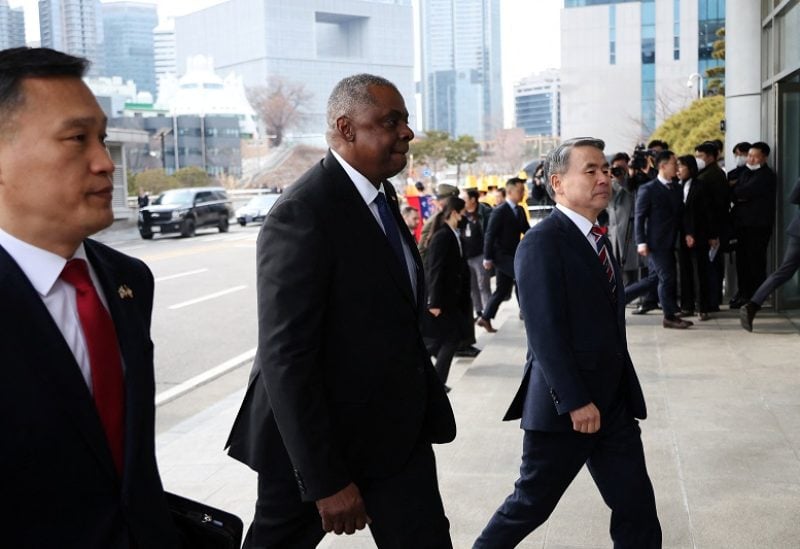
x=369 y=193
x=583 y=224
x=43 y=269
x=687 y=185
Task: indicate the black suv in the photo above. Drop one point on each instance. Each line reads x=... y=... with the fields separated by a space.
x=184 y=210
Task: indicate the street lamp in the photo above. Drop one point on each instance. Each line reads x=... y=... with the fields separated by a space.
x=690 y=82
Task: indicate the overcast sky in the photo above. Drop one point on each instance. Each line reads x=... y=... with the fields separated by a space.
x=530 y=35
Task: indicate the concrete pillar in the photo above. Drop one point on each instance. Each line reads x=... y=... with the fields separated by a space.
x=742 y=74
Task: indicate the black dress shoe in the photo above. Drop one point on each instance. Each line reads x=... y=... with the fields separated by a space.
x=746 y=315
x=736 y=302
x=468 y=352
x=675 y=323
x=644 y=308
x=486 y=324
x=687 y=312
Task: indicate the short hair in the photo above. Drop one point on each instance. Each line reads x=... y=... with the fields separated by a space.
x=658 y=143
x=473 y=193
x=17 y=64
x=689 y=161
x=664 y=156
x=744 y=146
x=708 y=147
x=349 y=94
x=408 y=209
x=501 y=190
x=557 y=161
x=621 y=156
x=514 y=181
x=761 y=146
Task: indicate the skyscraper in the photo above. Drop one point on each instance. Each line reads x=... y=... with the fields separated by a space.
x=128 y=31
x=74 y=27
x=537 y=104
x=461 y=85
x=626 y=63
x=12 y=26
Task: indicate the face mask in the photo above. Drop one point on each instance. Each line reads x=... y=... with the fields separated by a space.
x=700 y=164
x=741 y=161
x=753 y=167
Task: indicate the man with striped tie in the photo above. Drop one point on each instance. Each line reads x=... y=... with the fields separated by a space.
x=580 y=396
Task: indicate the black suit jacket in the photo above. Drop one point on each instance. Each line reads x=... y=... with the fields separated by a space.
x=658 y=215
x=506 y=227
x=342 y=381
x=577 y=346
x=698 y=212
x=754 y=198
x=60 y=487
x=447 y=273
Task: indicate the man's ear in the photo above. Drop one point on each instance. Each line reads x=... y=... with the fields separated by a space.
x=555 y=182
x=345 y=129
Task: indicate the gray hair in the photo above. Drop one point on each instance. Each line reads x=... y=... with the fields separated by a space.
x=350 y=94
x=557 y=161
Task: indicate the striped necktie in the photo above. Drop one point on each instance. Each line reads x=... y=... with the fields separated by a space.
x=602 y=251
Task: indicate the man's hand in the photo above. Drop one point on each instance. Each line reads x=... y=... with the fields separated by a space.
x=642 y=250
x=586 y=419
x=488 y=264
x=343 y=511
x=689 y=241
x=436 y=311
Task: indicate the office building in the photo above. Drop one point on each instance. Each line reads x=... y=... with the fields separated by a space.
x=74 y=27
x=629 y=69
x=461 y=84
x=312 y=42
x=12 y=26
x=537 y=104
x=164 y=51
x=128 y=32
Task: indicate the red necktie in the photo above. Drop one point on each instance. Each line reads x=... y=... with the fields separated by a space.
x=598 y=233
x=108 y=384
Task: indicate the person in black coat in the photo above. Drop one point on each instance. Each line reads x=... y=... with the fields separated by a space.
x=753 y=218
x=695 y=234
x=449 y=300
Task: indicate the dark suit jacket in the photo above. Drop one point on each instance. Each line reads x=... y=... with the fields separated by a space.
x=754 y=198
x=447 y=273
x=718 y=197
x=506 y=226
x=342 y=381
x=60 y=487
x=698 y=212
x=577 y=347
x=658 y=215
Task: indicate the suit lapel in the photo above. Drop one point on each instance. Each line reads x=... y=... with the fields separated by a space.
x=50 y=358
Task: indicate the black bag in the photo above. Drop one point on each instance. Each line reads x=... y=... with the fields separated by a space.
x=204 y=527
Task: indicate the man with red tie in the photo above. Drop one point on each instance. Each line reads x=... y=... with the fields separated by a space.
x=77 y=391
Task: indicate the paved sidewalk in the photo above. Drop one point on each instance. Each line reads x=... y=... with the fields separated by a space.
x=722 y=440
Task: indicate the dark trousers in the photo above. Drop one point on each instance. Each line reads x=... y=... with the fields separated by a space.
x=503 y=286
x=751 y=258
x=663 y=276
x=405 y=508
x=789 y=266
x=694 y=266
x=550 y=461
x=716 y=274
x=446 y=336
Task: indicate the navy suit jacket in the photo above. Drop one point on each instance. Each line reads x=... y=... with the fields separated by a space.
x=658 y=215
x=342 y=383
x=506 y=226
x=577 y=347
x=60 y=487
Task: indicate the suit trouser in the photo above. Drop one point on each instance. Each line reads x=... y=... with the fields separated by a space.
x=504 y=284
x=661 y=275
x=406 y=509
x=751 y=258
x=447 y=339
x=790 y=264
x=479 y=283
x=694 y=266
x=550 y=461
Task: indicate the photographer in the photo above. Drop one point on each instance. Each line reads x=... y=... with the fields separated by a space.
x=620 y=219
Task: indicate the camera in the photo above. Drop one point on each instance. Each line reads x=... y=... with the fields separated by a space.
x=618 y=171
x=642 y=157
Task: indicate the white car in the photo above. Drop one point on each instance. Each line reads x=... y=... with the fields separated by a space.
x=256 y=208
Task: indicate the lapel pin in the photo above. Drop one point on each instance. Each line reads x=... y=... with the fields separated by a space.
x=125 y=292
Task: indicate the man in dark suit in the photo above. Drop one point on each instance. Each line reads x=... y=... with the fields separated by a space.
x=77 y=394
x=753 y=217
x=343 y=402
x=658 y=216
x=507 y=224
x=579 y=395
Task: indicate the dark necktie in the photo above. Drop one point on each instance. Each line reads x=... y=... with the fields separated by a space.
x=391 y=230
x=108 y=384
x=602 y=251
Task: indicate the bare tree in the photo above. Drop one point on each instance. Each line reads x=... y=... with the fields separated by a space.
x=280 y=105
x=508 y=150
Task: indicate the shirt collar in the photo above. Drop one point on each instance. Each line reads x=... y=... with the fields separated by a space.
x=664 y=181
x=511 y=204
x=583 y=224
x=41 y=267
x=366 y=189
